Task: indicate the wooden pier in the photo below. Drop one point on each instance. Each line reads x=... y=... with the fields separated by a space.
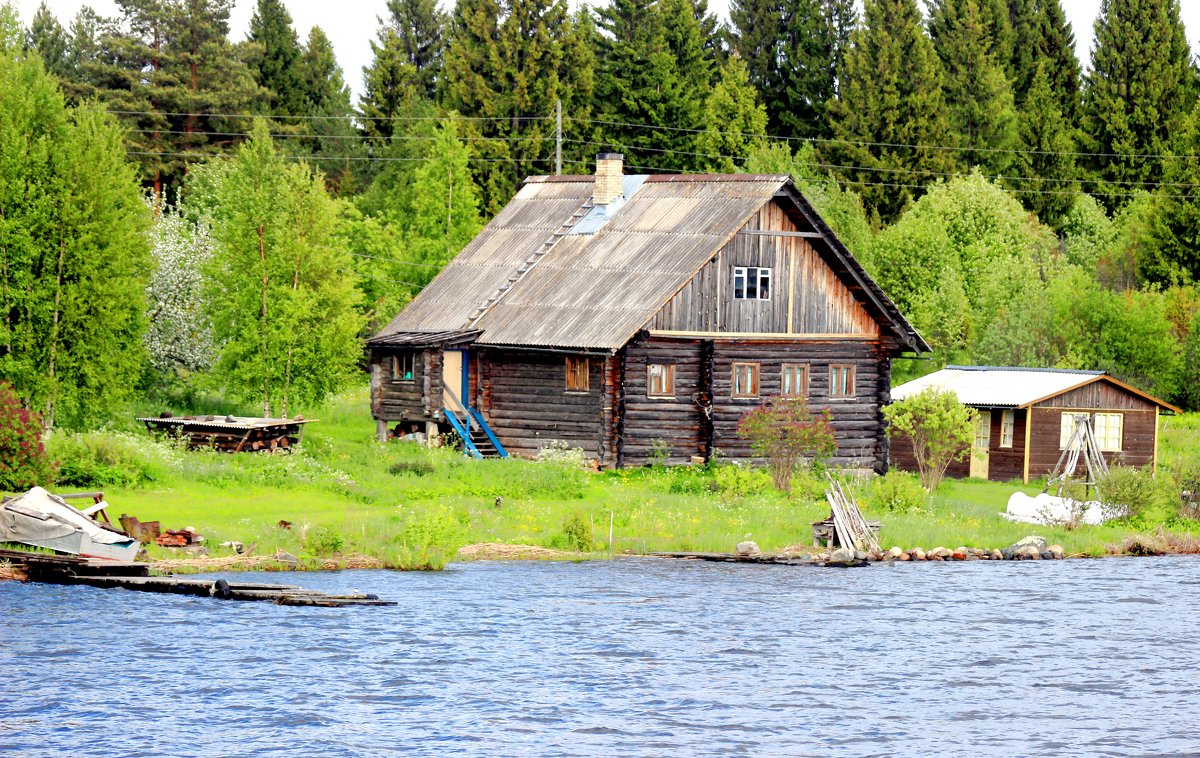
x=63 y=569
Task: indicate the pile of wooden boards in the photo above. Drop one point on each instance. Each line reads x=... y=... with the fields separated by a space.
x=850 y=528
x=231 y=434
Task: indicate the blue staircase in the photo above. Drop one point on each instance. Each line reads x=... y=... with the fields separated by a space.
x=479 y=441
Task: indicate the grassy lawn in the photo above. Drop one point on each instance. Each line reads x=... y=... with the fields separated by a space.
x=411 y=506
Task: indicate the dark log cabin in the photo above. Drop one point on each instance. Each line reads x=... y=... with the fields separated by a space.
x=1025 y=419
x=631 y=314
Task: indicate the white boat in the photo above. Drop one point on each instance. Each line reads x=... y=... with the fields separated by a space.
x=41 y=519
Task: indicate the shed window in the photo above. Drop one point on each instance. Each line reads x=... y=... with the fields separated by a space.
x=751 y=283
x=793 y=382
x=660 y=380
x=745 y=380
x=1067 y=428
x=1007 y=422
x=1109 y=427
x=577 y=374
x=404 y=367
x=841 y=380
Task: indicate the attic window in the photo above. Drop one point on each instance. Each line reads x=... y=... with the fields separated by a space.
x=751 y=283
x=577 y=374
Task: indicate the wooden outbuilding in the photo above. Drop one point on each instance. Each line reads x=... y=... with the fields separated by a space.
x=640 y=315
x=1026 y=417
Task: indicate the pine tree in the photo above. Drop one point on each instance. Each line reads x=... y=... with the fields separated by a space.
x=421 y=28
x=282 y=288
x=48 y=38
x=1141 y=85
x=73 y=258
x=736 y=122
x=1046 y=144
x=275 y=60
x=891 y=97
x=972 y=46
x=1042 y=34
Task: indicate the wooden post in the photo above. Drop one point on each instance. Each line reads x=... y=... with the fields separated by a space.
x=381 y=430
x=431 y=432
x=1028 y=434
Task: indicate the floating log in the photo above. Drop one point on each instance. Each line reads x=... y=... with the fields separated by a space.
x=71 y=570
x=775 y=560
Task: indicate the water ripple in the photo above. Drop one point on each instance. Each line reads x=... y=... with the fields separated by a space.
x=633 y=657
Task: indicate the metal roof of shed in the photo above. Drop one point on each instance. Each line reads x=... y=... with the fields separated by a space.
x=1009 y=386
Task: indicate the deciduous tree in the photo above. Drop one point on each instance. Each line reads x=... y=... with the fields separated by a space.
x=786 y=432
x=939 y=428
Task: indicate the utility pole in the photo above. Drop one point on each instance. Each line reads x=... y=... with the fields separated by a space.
x=558 y=137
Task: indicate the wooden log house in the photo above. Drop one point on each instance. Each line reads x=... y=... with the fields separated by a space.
x=629 y=314
x=1026 y=416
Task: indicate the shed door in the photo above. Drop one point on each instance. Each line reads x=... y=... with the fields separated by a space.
x=979 y=448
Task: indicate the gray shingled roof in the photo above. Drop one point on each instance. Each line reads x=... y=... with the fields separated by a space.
x=597 y=290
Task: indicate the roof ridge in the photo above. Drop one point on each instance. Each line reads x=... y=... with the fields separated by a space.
x=1032 y=369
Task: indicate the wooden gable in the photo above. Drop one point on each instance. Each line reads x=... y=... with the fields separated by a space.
x=807 y=297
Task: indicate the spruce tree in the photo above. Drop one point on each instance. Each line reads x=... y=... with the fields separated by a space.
x=890 y=117
x=421 y=28
x=973 y=47
x=1042 y=34
x=275 y=59
x=48 y=38
x=792 y=50
x=331 y=132
x=1141 y=85
x=390 y=88
x=1174 y=255
x=1046 y=144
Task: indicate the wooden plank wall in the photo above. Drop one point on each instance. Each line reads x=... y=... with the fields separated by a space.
x=1137 y=441
x=524 y=399
x=1004 y=463
x=1099 y=395
x=679 y=421
x=857 y=421
x=393 y=399
x=819 y=302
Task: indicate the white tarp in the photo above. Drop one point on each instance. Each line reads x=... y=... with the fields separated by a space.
x=1050 y=510
x=44 y=520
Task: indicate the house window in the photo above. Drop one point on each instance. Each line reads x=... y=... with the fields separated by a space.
x=793 y=382
x=577 y=374
x=841 y=380
x=745 y=380
x=1067 y=428
x=404 y=367
x=1109 y=427
x=1007 y=422
x=660 y=380
x=751 y=283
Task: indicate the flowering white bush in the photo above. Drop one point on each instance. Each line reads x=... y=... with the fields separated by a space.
x=179 y=336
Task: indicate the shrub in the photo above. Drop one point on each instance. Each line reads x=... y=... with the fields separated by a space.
x=577 y=533
x=102 y=458
x=1130 y=493
x=660 y=453
x=417 y=467
x=939 y=428
x=897 y=491
x=739 y=481
x=324 y=540
x=23 y=459
x=560 y=453
x=786 y=432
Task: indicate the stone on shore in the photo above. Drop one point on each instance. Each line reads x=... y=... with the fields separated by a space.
x=917 y=554
x=940 y=553
x=842 y=555
x=894 y=553
x=748 y=549
x=997 y=555
x=1037 y=543
x=1057 y=551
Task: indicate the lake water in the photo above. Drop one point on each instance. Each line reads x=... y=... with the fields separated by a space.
x=633 y=656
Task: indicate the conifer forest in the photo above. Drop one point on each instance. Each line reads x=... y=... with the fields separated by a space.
x=185 y=214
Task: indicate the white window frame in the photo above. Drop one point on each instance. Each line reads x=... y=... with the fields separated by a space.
x=752 y=374
x=1109 y=435
x=746 y=278
x=1067 y=426
x=1008 y=423
x=665 y=373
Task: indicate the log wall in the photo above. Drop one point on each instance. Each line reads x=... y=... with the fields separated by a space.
x=857 y=421
x=523 y=397
x=678 y=422
x=397 y=400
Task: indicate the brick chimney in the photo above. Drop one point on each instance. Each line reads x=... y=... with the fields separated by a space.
x=608 y=178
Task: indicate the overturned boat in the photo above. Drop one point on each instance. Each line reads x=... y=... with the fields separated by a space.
x=42 y=519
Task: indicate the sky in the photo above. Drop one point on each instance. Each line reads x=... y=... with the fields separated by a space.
x=351 y=24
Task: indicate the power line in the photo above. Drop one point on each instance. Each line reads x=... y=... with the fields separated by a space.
x=830 y=140
x=354 y=117
x=333 y=157
x=467 y=138
x=396 y=260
